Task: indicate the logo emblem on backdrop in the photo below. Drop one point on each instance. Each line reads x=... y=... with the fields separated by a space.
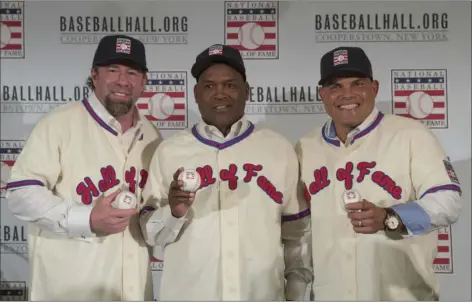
x=9 y=151
x=253 y=28
x=13 y=291
x=164 y=100
x=443 y=263
x=157 y=264
x=12 y=35
x=421 y=94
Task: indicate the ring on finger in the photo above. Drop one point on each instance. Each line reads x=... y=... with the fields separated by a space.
x=359 y=224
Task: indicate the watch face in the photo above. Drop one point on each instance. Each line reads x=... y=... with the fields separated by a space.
x=392 y=223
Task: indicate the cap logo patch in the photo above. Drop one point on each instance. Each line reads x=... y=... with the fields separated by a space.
x=215 y=50
x=123 y=45
x=340 y=57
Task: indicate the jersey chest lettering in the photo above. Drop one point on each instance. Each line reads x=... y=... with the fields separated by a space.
x=351 y=173
x=251 y=174
x=88 y=189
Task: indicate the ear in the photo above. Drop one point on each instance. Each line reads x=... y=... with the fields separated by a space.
x=94 y=75
x=145 y=79
x=247 y=90
x=195 y=88
x=376 y=84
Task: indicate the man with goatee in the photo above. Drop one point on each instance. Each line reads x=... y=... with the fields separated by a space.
x=73 y=165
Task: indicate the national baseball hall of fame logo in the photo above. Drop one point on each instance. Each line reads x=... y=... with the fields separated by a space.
x=252 y=27
x=157 y=264
x=13 y=237
x=164 y=100
x=13 y=291
x=443 y=263
x=9 y=151
x=421 y=94
x=12 y=34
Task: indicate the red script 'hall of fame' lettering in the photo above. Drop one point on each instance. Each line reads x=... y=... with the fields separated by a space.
x=345 y=175
x=206 y=176
x=230 y=176
x=87 y=189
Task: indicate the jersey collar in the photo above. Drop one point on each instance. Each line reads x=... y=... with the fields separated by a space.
x=211 y=136
x=99 y=113
x=370 y=123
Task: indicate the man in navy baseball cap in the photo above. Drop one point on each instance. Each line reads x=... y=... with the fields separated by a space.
x=345 y=61
x=222 y=143
x=120 y=49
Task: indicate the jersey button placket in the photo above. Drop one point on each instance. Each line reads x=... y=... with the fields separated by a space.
x=130 y=268
x=230 y=254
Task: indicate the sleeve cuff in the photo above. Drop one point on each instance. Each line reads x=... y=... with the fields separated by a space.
x=78 y=221
x=295 y=289
x=413 y=217
x=165 y=219
x=173 y=223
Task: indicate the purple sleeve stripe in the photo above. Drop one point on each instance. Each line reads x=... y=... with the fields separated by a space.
x=24 y=183
x=450 y=187
x=146 y=209
x=293 y=217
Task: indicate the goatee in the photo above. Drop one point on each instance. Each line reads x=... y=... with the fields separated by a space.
x=117 y=109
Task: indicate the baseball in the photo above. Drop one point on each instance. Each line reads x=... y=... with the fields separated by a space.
x=161 y=106
x=251 y=35
x=125 y=200
x=351 y=196
x=419 y=104
x=5 y=35
x=191 y=180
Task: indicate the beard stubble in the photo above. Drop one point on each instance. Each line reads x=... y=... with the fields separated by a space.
x=117 y=109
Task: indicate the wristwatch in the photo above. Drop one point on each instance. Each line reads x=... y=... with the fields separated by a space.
x=392 y=221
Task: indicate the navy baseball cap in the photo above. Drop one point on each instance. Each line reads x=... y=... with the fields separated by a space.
x=116 y=49
x=345 y=61
x=218 y=53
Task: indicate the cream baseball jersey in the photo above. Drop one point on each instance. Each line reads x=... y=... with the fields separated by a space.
x=78 y=156
x=229 y=244
x=391 y=161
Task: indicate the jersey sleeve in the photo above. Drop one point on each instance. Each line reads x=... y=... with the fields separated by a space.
x=39 y=162
x=295 y=204
x=158 y=225
x=296 y=233
x=431 y=170
x=435 y=183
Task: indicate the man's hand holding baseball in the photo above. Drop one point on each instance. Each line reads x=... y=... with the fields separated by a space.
x=366 y=217
x=179 y=200
x=107 y=220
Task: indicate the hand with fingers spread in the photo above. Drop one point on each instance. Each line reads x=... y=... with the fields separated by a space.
x=366 y=217
x=107 y=220
x=179 y=200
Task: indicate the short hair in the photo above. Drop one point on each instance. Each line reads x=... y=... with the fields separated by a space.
x=89 y=81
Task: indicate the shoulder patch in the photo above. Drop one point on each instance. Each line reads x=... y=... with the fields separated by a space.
x=450 y=171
